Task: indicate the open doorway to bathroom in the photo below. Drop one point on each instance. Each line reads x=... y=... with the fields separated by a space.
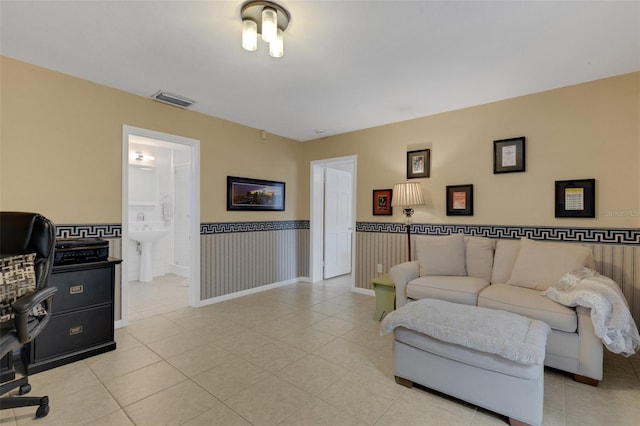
x=160 y=224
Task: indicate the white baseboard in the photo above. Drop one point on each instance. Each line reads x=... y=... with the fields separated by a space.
x=260 y=289
x=182 y=271
x=363 y=291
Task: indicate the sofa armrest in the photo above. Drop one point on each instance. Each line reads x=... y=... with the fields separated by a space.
x=591 y=351
x=400 y=275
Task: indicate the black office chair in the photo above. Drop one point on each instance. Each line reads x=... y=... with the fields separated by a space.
x=21 y=234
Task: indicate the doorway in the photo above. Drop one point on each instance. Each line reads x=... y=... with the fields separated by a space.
x=343 y=171
x=166 y=200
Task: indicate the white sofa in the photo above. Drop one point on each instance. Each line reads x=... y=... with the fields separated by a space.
x=509 y=275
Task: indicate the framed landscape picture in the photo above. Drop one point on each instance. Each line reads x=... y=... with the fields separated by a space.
x=254 y=194
x=382 y=202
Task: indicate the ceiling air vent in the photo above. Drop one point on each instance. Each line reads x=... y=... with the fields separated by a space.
x=171 y=99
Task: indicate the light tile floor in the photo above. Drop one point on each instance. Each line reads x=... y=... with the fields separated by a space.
x=164 y=294
x=304 y=354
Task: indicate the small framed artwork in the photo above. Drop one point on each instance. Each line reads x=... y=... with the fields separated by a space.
x=509 y=155
x=576 y=198
x=459 y=200
x=418 y=164
x=254 y=194
x=382 y=202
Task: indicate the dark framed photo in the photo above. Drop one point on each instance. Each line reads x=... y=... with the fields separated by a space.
x=576 y=198
x=459 y=200
x=382 y=202
x=418 y=164
x=254 y=194
x=509 y=155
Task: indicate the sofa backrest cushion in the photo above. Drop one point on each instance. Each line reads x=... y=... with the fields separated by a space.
x=479 y=256
x=441 y=255
x=504 y=259
x=541 y=264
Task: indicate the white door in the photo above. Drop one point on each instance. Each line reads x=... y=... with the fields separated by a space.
x=337 y=223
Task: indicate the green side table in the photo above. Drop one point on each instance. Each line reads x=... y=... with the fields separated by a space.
x=385 y=296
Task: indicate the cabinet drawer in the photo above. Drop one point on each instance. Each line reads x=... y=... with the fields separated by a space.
x=77 y=289
x=75 y=330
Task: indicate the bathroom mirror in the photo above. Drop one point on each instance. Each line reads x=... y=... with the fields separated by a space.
x=143 y=185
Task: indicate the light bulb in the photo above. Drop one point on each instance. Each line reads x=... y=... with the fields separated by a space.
x=269 y=24
x=249 y=35
x=276 y=47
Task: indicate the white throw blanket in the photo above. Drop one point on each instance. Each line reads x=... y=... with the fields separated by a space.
x=511 y=336
x=609 y=309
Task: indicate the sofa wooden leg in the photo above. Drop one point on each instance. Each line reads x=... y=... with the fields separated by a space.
x=586 y=380
x=404 y=382
x=514 y=422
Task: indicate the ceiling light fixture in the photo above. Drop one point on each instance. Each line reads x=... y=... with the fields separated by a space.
x=268 y=19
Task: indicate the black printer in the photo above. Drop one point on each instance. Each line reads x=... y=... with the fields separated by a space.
x=80 y=250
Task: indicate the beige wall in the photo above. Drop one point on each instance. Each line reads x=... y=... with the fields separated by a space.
x=585 y=131
x=61 y=148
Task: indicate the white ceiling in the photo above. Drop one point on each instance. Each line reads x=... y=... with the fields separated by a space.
x=348 y=65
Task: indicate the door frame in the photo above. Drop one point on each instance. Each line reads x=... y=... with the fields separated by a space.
x=316 y=252
x=194 y=207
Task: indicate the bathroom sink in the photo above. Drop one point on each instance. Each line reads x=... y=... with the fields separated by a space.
x=145 y=237
x=148 y=235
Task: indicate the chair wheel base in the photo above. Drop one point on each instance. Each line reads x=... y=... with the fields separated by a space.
x=24 y=389
x=42 y=411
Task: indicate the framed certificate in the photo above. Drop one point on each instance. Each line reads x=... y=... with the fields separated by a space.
x=576 y=198
x=509 y=155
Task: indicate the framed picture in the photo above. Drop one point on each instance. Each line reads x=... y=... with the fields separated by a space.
x=418 y=164
x=509 y=155
x=576 y=198
x=459 y=200
x=382 y=202
x=254 y=194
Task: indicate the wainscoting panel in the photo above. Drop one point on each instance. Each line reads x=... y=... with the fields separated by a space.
x=386 y=244
x=374 y=248
x=622 y=264
x=237 y=261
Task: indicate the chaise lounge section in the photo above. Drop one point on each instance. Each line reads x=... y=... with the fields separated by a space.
x=509 y=275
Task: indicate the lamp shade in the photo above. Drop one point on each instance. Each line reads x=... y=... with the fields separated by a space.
x=407 y=194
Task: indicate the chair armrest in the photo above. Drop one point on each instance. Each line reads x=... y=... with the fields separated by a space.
x=25 y=304
x=400 y=275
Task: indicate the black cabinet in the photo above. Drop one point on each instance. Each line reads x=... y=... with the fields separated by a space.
x=7 y=372
x=81 y=324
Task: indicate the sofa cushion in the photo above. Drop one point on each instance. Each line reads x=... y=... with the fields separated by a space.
x=441 y=255
x=503 y=260
x=454 y=289
x=530 y=303
x=541 y=264
x=17 y=278
x=479 y=256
